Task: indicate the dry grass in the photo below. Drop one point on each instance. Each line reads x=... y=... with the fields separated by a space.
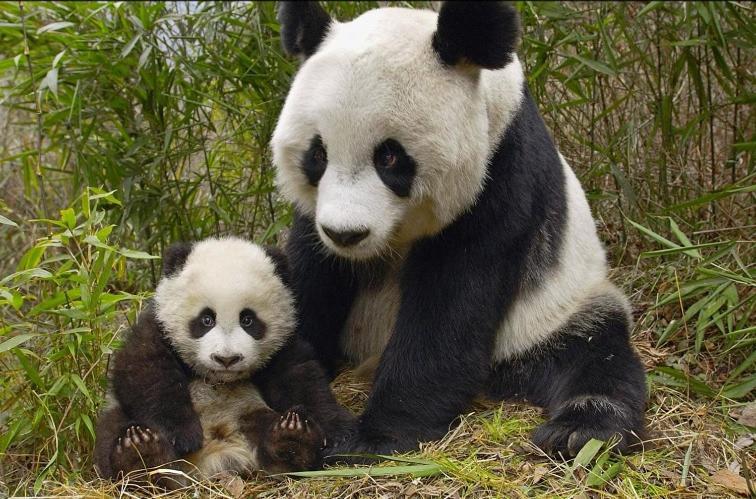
x=490 y=454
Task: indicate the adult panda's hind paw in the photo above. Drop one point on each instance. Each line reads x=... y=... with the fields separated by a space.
x=588 y=418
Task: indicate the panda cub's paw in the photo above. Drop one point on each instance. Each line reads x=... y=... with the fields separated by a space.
x=141 y=448
x=295 y=441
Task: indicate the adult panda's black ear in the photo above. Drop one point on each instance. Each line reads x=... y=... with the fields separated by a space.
x=481 y=33
x=281 y=262
x=303 y=26
x=175 y=257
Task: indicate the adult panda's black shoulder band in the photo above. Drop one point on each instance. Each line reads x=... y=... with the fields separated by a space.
x=481 y=33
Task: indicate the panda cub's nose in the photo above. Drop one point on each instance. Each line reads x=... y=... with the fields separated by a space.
x=226 y=361
x=345 y=238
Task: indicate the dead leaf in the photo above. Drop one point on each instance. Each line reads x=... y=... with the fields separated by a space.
x=538 y=473
x=745 y=441
x=748 y=417
x=731 y=481
x=233 y=485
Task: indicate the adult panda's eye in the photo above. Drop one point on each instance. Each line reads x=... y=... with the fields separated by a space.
x=387 y=158
x=320 y=155
x=315 y=161
x=394 y=166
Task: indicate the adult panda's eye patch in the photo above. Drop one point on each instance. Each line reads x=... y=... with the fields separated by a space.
x=315 y=161
x=202 y=323
x=395 y=167
x=251 y=324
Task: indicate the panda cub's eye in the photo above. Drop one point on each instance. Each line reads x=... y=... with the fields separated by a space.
x=202 y=323
x=208 y=320
x=251 y=324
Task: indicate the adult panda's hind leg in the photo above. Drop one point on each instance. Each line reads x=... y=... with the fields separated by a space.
x=587 y=377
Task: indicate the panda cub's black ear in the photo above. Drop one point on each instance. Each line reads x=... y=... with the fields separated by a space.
x=175 y=257
x=303 y=26
x=281 y=262
x=481 y=33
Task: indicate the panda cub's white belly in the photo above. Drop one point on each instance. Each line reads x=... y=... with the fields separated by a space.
x=220 y=408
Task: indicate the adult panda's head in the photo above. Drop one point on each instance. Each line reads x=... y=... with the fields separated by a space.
x=225 y=306
x=391 y=119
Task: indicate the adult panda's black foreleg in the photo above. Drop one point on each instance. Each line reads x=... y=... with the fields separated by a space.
x=438 y=357
x=586 y=376
x=324 y=288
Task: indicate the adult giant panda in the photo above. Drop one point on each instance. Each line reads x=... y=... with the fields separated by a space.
x=438 y=227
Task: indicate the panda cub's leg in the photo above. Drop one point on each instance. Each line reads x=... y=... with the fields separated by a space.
x=292 y=441
x=124 y=446
x=587 y=377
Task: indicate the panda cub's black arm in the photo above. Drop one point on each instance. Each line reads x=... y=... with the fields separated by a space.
x=152 y=385
x=295 y=377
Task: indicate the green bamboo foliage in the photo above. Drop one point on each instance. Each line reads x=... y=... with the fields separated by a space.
x=136 y=124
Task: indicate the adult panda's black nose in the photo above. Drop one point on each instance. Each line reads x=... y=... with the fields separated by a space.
x=226 y=361
x=345 y=238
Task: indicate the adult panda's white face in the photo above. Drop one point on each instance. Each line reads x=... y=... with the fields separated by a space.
x=379 y=140
x=225 y=310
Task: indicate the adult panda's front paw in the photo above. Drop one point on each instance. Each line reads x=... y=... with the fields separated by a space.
x=590 y=417
x=359 y=448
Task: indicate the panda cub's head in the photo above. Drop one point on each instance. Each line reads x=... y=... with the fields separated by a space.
x=224 y=306
x=392 y=117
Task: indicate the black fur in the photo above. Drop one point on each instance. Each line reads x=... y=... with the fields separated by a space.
x=151 y=383
x=174 y=258
x=398 y=176
x=282 y=269
x=303 y=26
x=580 y=362
x=481 y=33
x=456 y=288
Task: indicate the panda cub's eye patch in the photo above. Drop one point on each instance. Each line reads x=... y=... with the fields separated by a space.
x=203 y=323
x=251 y=324
x=315 y=161
x=395 y=167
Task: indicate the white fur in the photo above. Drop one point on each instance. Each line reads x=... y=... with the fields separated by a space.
x=375 y=78
x=579 y=277
x=221 y=407
x=226 y=275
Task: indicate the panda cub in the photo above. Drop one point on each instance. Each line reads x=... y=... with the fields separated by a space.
x=182 y=385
